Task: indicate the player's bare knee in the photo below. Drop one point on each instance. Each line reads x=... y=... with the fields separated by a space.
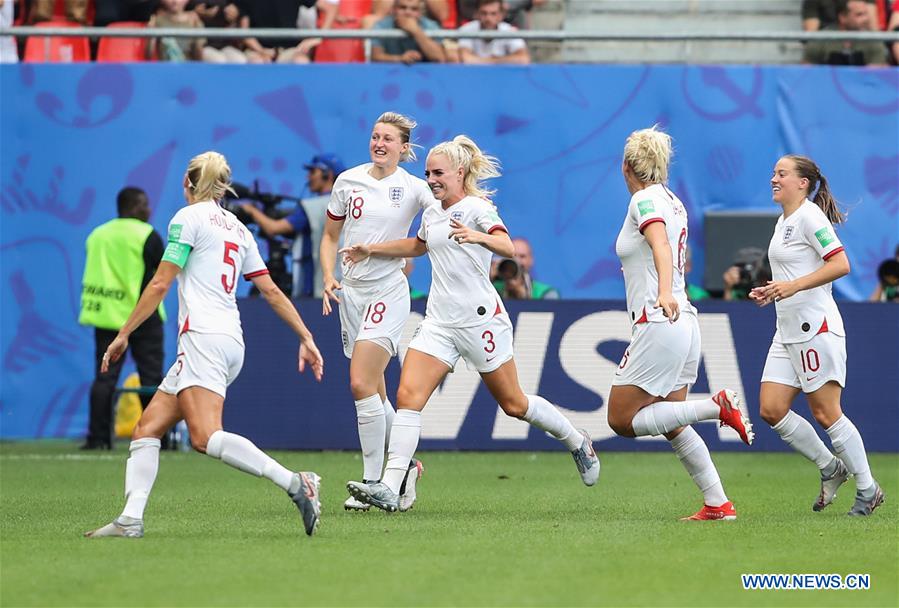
x=772 y=414
x=198 y=442
x=621 y=425
x=362 y=387
x=407 y=398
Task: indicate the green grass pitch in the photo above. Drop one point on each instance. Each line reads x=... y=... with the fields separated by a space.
x=506 y=529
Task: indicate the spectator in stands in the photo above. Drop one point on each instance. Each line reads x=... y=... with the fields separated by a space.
x=503 y=50
x=822 y=14
x=307 y=223
x=517 y=12
x=513 y=278
x=320 y=10
x=43 y=10
x=893 y=26
x=852 y=16
x=227 y=14
x=111 y=11
x=417 y=46
x=8 y=51
x=122 y=256
x=281 y=14
x=438 y=10
x=887 y=289
x=174 y=14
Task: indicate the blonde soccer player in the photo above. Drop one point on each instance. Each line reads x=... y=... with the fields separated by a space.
x=465 y=316
x=207 y=249
x=648 y=395
x=373 y=203
x=808 y=352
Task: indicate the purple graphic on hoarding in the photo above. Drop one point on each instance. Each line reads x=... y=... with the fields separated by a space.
x=102 y=94
x=718 y=79
x=150 y=174
x=288 y=106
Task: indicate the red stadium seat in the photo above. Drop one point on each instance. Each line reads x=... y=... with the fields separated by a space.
x=452 y=20
x=119 y=50
x=57 y=49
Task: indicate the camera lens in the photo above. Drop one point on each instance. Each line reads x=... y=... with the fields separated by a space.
x=508 y=269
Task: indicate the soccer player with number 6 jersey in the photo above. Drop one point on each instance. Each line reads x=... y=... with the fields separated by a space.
x=465 y=316
x=808 y=352
x=207 y=248
x=373 y=203
x=651 y=384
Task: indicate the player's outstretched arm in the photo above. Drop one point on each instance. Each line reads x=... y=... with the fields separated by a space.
x=284 y=308
x=147 y=304
x=402 y=248
x=499 y=242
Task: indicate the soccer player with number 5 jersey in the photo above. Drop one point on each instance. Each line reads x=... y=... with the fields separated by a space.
x=808 y=352
x=207 y=248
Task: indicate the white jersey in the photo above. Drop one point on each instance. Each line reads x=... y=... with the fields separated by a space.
x=461 y=292
x=376 y=211
x=799 y=247
x=641 y=281
x=221 y=247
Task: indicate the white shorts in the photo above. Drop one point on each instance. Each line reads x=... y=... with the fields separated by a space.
x=485 y=347
x=807 y=365
x=208 y=360
x=662 y=357
x=375 y=312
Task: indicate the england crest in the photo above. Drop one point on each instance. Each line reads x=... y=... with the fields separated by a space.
x=457 y=215
x=396 y=194
x=788 y=232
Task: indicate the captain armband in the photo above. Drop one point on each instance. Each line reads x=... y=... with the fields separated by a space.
x=176 y=253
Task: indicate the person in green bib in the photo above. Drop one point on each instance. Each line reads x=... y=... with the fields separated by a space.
x=513 y=279
x=122 y=256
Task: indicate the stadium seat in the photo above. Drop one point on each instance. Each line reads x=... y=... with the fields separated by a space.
x=345 y=51
x=57 y=49
x=118 y=50
x=452 y=20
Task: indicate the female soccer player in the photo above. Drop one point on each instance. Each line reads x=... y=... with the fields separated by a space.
x=373 y=203
x=808 y=352
x=207 y=248
x=465 y=316
x=650 y=386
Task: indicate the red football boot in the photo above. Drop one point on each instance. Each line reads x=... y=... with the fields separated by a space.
x=707 y=513
x=733 y=414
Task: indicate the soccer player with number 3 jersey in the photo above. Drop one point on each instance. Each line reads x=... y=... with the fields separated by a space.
x=374 y=203
x=808 y=352
x=207 y=248
x=465 y=316
x=650 y=387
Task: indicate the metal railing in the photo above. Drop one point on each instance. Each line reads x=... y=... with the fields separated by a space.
x=545 y=35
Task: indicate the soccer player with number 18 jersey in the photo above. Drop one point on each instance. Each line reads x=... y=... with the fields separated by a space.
x=808 y=352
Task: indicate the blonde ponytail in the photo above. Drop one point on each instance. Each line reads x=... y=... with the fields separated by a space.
x=209 y=176
x=476 y=166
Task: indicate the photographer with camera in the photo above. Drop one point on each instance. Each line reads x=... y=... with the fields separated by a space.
x=750 y=269
x=307 y=223
x=887 y=289
x=512 y=277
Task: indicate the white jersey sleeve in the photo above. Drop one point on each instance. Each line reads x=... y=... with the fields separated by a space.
x=338 y=204
x=644 y=210
x=488 y=220
x=253 y=265
x=182 y=229
x=818 y=232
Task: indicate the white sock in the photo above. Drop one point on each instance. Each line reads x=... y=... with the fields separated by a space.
x=403 y=443
x=371 y=422
x=140 y=473
x=666 y=416
x=801 y=436
x=242 y=454
x=546 y=417
x=848 y=444
x=389 y=415
x=694 y=455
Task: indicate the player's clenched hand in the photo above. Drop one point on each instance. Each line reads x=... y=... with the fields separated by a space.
x=330 y=286
x=778 y=290
x=113 y=352
x=355 y=253
x=463 y=234
x=670 y=307
x=310 y=355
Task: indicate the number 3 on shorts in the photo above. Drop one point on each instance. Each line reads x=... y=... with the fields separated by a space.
x=488 y=337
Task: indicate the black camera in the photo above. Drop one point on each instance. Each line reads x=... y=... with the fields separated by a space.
x=888 y=275
x=278 y=248
x=754 y=267
x=508 y=269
